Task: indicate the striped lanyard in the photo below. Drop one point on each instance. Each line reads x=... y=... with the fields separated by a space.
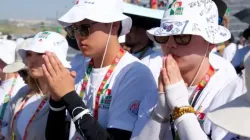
x=7 y=97
x=42 y=103
x=102 y=87
x=201 y=86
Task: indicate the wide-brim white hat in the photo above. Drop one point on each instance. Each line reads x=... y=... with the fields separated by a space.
x=187 y=17
x=7 y=51
x=102 y=11
x=235 y=115
x=48 y=41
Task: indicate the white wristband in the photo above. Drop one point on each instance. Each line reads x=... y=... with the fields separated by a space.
x=86 y=111
x=57 y=109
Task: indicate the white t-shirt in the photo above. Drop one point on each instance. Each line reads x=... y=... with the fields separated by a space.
x=153 y=60
x=132 y=91
x=229 y=52
x=27 y=112
x=4 y=90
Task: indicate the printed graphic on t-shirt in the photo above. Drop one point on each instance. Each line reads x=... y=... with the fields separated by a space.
x=134 y=108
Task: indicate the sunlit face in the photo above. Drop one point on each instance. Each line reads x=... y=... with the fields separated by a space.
x=186 y=56
x=94 y=43
x=2 y=65
x=34 y=62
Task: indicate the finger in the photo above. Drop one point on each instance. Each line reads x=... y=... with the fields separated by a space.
x=165 y=77
x=175 y=66
x=49 y=66
x=62 y=68
x=53 y=62
x=46 y=74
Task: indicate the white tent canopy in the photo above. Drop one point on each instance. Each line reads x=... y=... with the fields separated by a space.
x=142 y=11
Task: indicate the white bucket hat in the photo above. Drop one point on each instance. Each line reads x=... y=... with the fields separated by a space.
x=191 y=17
x=7 y=51
x=235 y=115
x=18 y=63
x=102 y=11
x=48 y=41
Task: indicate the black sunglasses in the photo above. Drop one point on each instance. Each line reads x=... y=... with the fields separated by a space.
x=179 y=39
x=83 y=30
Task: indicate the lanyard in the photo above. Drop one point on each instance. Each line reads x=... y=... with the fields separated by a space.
x=201 y=86
x=42 y=103
x=7 y=97
x=102 y=87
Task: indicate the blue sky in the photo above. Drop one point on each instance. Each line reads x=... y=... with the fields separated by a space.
x=33 y=9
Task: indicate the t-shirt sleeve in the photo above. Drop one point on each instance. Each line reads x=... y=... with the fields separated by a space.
x=231 y=91
x=133 y=100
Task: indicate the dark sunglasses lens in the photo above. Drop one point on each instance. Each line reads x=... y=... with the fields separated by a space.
x=70 y=32
x=161 y=39
x=182 y=39
x=84 y=30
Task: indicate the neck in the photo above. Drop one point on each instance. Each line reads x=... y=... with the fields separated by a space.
x=42 y=83
x=138 y=48
x=6 y=76
x=188 y=77
x=112 y=50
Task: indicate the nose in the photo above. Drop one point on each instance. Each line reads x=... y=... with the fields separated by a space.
x=171 y=43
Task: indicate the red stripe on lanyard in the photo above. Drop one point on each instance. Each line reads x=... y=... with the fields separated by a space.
x=42 y=103
x=202 y=83
x=104 y=81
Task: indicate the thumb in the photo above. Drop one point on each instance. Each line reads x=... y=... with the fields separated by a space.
x=73 y=74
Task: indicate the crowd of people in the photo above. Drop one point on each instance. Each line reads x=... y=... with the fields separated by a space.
x=120 y=87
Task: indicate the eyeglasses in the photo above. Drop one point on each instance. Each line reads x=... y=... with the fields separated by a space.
x=83 y=30
x=179 y=39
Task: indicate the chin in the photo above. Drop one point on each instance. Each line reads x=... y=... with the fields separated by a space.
x=36 y=74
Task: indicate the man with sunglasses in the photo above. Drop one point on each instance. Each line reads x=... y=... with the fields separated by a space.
x=114 y=92
x=192 y=81
x=10 y=82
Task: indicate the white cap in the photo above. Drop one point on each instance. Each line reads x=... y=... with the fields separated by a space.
x=7 y=51
x=235 y=115
x=19 y=41
x=18 y=63
x=48 y=41
x=191 y=18
x=102 y=11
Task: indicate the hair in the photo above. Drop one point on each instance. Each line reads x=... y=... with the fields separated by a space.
x=32 y=83
x=119 y=30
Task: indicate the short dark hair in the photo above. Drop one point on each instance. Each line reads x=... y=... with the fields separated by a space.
x=119 y=30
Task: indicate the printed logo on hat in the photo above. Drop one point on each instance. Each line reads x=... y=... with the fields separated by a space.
x=44 y=35
x=176 y=8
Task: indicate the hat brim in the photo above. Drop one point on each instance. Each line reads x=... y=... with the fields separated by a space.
x=14 y=67
x=77 y=14
x=233 y=116
x=40 y=48
x=213 y=36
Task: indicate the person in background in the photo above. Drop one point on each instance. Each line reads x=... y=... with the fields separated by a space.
x=30 y=108
x=10 y=83
x=230 y=50
x=237 y=61
x=242 y=41
x=18 y=66
x=114 y=92
x=234 y=116
x=141 y=46
x=188 y=85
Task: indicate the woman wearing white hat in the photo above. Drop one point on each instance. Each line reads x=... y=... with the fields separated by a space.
x=114 y=91
x=234 y=116
x=30 y=108
x=188 y=31
x=10 y=82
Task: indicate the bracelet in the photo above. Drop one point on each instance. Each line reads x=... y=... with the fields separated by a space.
x=178 y=112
